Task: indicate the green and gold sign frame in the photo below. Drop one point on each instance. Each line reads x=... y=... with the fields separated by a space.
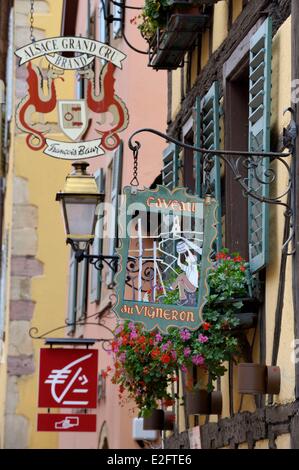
x=162 y=277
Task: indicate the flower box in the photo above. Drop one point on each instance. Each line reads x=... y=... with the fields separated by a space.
x=168 y=48
x=247 y=314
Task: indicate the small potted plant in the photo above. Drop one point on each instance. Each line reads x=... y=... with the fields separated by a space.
x=230 y=288
x=170 y=27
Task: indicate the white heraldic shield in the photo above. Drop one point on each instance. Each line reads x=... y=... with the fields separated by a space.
x=72 y=118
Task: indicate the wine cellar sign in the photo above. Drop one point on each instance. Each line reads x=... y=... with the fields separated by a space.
x=165 y=257
x=101 y=109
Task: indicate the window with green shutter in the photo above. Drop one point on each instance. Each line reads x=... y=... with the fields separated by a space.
x=82 y=290
x=73 y=289
x=207 y=135
x=117 y=166
x=170 y=166
x=259 y=140
x=97 y=246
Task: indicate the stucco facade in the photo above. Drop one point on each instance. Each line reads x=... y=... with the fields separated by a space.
x=36 y=275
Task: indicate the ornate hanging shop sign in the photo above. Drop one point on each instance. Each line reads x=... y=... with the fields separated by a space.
x=165 y=257
x=101 y=110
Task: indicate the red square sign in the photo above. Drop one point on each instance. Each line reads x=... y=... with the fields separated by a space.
x=68 y=378
x=66 y=422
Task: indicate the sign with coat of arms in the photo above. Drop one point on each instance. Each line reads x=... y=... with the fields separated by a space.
x=165 y=257
x=101 y=109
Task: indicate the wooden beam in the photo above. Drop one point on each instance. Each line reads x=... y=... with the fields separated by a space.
x=69 y=18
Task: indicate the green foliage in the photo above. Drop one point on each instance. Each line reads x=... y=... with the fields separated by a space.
x=228 y=277
x=153 y=17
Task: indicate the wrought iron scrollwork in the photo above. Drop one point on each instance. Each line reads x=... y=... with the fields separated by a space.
x=236 y=161
x=132 y=269
x=106 y=342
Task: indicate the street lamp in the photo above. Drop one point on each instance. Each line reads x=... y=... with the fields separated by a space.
x=79 y=200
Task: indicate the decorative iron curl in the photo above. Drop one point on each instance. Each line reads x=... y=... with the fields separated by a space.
x=233 y=160
x=34 y=331
x=132 y=268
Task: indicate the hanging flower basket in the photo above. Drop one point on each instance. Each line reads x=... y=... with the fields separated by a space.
x=155 y=421
x=246 y=310
x=171 y=28
x=146 y=363
x=169 y=46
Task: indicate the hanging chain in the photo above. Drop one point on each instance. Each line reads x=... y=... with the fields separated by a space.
x=32 y=37
x=134 y=181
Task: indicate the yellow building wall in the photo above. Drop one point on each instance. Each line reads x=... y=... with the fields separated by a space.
x=44 y=177
x=237 y=8
x=205 y=46
x=281 y=99
x=281 y=75
x=219 y=24
x=176 y=92
x=4 y=349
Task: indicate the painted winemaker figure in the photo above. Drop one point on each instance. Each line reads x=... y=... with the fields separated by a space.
x=186 y=282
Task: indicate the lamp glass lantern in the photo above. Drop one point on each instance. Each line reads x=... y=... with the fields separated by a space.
x=79 y=200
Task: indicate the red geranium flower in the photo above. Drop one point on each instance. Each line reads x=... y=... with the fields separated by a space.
x=155 y=353
x=238 y=259
x=165 y=358
x=206 y=326
x=168 y=402
x=221 y=255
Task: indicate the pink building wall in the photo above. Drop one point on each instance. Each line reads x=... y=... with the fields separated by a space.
x=144 y=92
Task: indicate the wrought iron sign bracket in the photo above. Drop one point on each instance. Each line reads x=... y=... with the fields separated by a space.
x=89 y=320
x=70 y=341
x=98 y=261
x=236 y=160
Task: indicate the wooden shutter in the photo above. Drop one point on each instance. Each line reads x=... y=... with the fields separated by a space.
x=97 y=246
x=259 y=140
x=117 y=12
x=210 y=139
x=73 y=288
x=82 y=290
x=197 y=142
x=101 y=29
x=115 y=191
x=170 y=166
